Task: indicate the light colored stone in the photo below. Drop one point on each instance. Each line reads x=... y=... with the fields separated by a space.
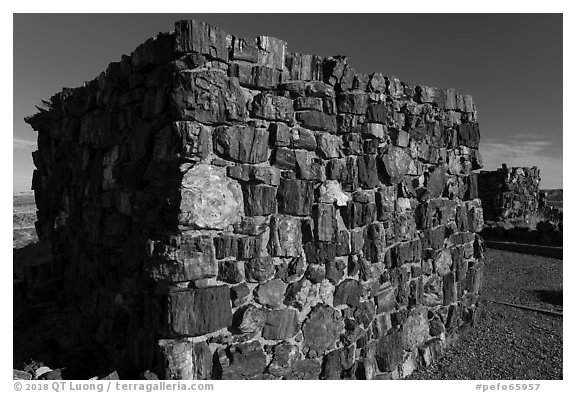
x=325 y=291
x=415 y=329
x=186 y=360
x=329 y=146
x=403 y=205
x=210 y=200
x=375 y=129
x=378 y=82
x=443 y=262
x=386 y=299
x=271 y=293
x=41 y=371
x=408 y=365
x=397 y=163
x=331 y=191
x=454 y=162
x=304 y=295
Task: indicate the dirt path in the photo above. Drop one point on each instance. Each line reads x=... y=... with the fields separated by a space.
x=510 y=343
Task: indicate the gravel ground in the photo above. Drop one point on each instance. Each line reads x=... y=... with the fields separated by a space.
x=510 y=343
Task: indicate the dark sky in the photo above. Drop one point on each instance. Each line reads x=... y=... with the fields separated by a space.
x=511 y=65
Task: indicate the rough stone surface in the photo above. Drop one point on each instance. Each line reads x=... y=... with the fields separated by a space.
x=338 y=362
x=281 y=324
x=231 y=271
x=198 y=36
x=397 y=163
x=302 y=138
x=331 y=191
x=295 y=197
x=259 y=199
x=317 y=120
x=259 y=269
x=286 y=363
x=186 y=360
x=239 y=294
x=193 y=258
x=389 y=351
x=253 y=319
x=285 y=355
x=271 y=293
x=209 y=199
x=243 y=361
x=329 y=146
x=443 y=262
x=415 y=329
x=254 y=173
x=241 y=143
x=183 y=139
x=285 y=236
x=325 y=223
x=347 y=292
x=321 y=330
x=252 y=226
x=193 y=312
x=273 y=108
x=208 y=97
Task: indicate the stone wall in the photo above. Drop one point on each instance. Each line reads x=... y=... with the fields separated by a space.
x=510 y=194
x=228 y=209
x=515 y=208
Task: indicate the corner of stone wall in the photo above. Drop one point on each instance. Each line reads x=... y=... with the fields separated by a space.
x=232 y=210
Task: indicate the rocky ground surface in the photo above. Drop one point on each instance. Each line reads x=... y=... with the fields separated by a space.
x=24 y=216
x=511 y=343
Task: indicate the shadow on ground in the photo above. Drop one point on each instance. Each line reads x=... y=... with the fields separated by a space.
x=553 y=297
x=44 y=324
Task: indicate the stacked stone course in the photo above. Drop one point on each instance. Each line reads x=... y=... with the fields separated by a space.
x=228 y=209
